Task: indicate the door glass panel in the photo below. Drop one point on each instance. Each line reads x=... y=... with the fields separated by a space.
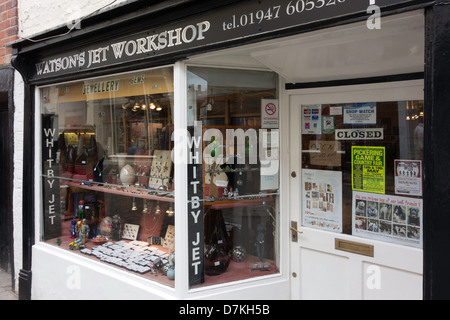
x=362 y=169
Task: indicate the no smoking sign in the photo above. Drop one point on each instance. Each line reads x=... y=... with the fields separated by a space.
x=269 y=113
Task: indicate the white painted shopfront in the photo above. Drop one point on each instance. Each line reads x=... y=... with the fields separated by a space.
x=316 y=244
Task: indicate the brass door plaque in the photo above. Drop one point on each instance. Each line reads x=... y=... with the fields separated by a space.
x=354 y=247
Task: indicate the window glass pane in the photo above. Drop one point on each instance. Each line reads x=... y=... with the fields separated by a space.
x=362 y=169
x=238 y=174
x=107 y=170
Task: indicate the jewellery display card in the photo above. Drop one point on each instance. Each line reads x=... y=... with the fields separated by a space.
x=130 y=231
x=169 y=239
x=160 y=169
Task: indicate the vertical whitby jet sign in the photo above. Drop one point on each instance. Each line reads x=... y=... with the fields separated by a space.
x=195 y=209
x=50 y=172
x=247 y=19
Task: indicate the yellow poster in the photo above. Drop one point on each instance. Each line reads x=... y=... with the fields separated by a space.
x=368 y=169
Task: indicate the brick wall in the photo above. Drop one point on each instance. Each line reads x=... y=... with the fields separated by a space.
x=8 y=28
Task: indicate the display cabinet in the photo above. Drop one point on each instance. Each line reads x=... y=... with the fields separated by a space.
x=240 y=199
x=108 y=172
x=107 y=156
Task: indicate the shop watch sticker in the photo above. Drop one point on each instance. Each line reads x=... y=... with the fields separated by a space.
x=387 y=218
x=368 y=169
x=360 y=114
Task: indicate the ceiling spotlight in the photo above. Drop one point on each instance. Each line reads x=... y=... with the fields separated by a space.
x=145 y=210
x=170 y=212
x=136 y=107
x=158 y=108
x=126 y=105
x=152 y=106
x=157 y=208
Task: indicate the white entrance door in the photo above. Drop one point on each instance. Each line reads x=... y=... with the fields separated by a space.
x=333 y=264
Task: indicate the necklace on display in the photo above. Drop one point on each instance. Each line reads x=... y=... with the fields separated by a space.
x=155 y=224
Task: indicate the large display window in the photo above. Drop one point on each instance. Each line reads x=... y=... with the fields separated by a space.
x=107 y=171
x=233 y=184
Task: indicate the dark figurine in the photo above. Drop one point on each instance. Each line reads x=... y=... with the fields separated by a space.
x=260 y=242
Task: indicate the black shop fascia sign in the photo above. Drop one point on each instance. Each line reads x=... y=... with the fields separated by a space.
x=244 y=20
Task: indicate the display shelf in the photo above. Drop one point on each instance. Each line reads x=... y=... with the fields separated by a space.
x=240 y=201
x=227 y=204
x=122 y=190
x=233 y=170
x=239 y=271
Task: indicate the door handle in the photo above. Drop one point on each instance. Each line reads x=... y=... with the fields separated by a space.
x=293 y=229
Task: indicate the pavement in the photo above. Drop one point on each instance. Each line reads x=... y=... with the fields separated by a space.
x=6 y=291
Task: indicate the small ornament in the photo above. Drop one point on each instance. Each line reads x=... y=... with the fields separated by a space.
x=171 y=272
x=80 y=209
x=84 y=230
x=127 y=175
x=239 y=254
x=116 y=226
x=105 y=227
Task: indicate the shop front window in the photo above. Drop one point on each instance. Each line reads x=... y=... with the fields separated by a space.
x=233 y=181
x=362 y=169
x=107 y=172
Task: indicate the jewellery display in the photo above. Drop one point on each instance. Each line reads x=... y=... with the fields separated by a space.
x=135 y=256
x=130 y=231
x=155 y=241
x=161 y=169
x=151 y=225
x=98 y=172
x=169 y=239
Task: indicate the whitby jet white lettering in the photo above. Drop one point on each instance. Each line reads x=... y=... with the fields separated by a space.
x=359 y=134
x=127 y=48
x=49 y=143
x=195 y=207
